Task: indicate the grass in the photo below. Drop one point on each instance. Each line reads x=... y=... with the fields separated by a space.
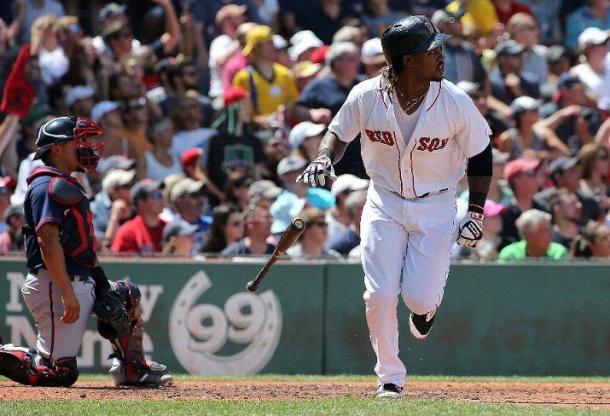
x=326 y=407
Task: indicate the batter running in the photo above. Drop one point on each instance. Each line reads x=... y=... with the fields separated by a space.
x=419 y=134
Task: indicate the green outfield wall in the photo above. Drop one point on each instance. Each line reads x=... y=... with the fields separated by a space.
x=542 y=319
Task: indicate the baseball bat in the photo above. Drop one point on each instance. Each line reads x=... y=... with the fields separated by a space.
x=292 y=233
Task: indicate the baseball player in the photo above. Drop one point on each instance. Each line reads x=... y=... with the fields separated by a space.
x=65 y=283
x=419 y=134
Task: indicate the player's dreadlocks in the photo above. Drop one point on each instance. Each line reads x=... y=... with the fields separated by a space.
x=390 y=73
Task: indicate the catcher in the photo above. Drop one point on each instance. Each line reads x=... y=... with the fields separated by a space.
x=65 y=283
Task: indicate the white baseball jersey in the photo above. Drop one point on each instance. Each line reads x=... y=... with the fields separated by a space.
x=449 y=130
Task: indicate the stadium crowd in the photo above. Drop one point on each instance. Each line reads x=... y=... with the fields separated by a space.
x=210 y=109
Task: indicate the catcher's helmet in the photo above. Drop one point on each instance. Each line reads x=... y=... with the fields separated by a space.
x=64 y=129
x=411 y=35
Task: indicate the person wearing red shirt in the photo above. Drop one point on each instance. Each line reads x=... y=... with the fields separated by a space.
x=144 y=233
x=505 y=9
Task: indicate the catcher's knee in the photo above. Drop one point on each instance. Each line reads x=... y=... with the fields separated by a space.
x=114 y=309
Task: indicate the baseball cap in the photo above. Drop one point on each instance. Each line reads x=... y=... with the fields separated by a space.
x=79 y=92
x=372 y=52
x=178 y=228
x=305 y=69
x=234 y=94
x=186 y=186
x=492 y=209
x=102 y=108
x=561 y=164
x=567 y=81
x=591 y=36
x=348 y=182
x=256 y=36
x=303 y=41
x=228 y=11
x=109 y=10
x=143 y=188
x=411 y=35
x=109 y=163
x=319 y=55
x=263 y=189
x=279 y=43
x=523 y=104
x=117 y=178
x=518 y=166
x=7 y=184
x=12 y=211
x=303 y=131
x=190 y=156
x=468 y=87
x=555 y=53
x=290 y=164
x=509 y=48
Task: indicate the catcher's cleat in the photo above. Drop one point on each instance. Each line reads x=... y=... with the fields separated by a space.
x=150 y=374
x=388 y=391
x=420 y=325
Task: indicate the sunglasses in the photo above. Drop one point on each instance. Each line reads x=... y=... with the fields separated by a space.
x=320 y=223
x=235 y=224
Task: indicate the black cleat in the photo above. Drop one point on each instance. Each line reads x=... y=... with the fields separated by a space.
x=420 y=325
x=388 y=391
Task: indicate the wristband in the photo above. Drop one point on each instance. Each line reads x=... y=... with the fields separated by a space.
x=476 y=202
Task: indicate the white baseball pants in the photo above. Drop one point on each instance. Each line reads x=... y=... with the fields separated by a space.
x=405 y=251
x=57 y=339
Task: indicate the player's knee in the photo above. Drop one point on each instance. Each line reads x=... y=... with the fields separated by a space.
x=67 y=371
x=375 y=298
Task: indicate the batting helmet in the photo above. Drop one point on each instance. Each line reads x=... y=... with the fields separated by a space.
x=65 y=129
x=411 y=35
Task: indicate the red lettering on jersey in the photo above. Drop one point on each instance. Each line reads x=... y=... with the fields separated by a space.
x=434 y=143
x=371 y=135
x=423 y=143
x=387 y=138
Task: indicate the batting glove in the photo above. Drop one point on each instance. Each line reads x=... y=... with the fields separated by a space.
x=316 y=173
x=470 y=229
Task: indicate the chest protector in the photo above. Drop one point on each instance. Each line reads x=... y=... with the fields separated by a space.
x=76 y=232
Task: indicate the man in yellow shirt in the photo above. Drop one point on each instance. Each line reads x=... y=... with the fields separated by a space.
x=479 y=14
x=269 y=84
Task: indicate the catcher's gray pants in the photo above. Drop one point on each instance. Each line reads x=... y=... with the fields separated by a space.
x=57 y=339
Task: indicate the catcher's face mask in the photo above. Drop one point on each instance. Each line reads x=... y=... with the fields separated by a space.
x=89 y=151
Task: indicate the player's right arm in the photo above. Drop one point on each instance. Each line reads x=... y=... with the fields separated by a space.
x=54 y=260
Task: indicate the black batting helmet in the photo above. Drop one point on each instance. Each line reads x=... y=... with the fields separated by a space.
x=64 y=129
x=411 y=35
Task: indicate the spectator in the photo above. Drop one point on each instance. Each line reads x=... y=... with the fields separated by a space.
x=566 y=173
x=226 y=45
x=593 y=242
x=11 y=240
x=179 y=239
x=275 y=150
x=304 y=44
x=528 y=138
x=372 y=57
x=121 y=87
x=296 y=195
x=595 y=167
x=235 y=147
x=345 y=242
x=523 y=29
x=79 y=100
x=53 y=61
x=189 y=202
x=593 y=44
x=596 y=13
x=475 y=15
x=263 y=192
x=496 y=122
x=337 y=217
x=236 y=190
x=507 y=9
x=136 y=117
x=546 y=13
x=108 y=115
x=536 y=239
x=323 y=18
x=187 y=116
x=109 y=15
x=112 y=206
x=523 y=178
x=238 y=61
x=305 y=72
x=323 y=97
x=565 y=210
x=461 y=60
x=508 y=80
x=257 y=231
x=311 y=244
x=144 y=233
x=227 y=228
x=567 y=115
x=270 y=85
x=28 y=11
x=559 y=62
x=305 y=139
x=159 y=163
x=7 y=186
x=378 y=16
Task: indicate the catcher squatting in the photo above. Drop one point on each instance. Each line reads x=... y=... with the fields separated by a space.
x=419 y=134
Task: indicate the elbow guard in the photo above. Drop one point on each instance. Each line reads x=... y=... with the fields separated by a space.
x=481 y=164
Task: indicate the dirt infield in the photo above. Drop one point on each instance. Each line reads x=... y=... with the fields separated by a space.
x=584 y=395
